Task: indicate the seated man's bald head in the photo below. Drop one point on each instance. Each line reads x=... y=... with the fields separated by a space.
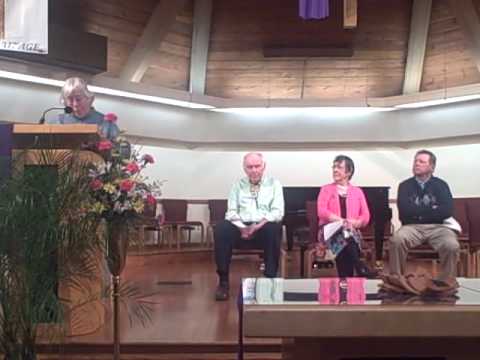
x=254 y=166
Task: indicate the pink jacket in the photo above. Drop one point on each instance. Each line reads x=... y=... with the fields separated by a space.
x=328 y=203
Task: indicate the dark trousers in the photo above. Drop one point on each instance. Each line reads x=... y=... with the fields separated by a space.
x=348 y=261
x=227 y=237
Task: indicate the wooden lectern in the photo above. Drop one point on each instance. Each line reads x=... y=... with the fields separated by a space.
x=28 y=140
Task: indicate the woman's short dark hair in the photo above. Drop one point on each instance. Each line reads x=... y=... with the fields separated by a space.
x=349 y=165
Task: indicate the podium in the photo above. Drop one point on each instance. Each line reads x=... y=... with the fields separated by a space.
x=84 y=313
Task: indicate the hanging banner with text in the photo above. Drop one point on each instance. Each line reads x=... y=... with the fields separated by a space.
x=25 y=26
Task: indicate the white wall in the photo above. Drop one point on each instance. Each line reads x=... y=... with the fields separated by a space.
x=209 y=174
x=163 y=124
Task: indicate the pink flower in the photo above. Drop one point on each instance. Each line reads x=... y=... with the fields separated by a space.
x=104 y=145
x=151 y=200
x=96 y=184
x=127 y=185
x=148 y=159
x=110 y=117
x=132 y=168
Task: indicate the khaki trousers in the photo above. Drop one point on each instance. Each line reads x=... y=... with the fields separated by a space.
x=440 y=238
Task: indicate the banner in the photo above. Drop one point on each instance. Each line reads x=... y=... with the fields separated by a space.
x=25 y=26
x=313 y=9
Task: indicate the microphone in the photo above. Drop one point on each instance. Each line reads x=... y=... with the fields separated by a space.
x=66 y=109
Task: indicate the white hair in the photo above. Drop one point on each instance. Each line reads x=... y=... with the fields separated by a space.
x=75 y=84
x=260 y=155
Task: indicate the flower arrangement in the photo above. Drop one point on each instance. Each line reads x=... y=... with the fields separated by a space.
x=118 y=190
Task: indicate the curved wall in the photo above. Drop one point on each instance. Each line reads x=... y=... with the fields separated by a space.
x=158 y=124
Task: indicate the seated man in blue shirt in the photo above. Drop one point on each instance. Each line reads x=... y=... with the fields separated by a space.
x=255 y=210
x=75 y=93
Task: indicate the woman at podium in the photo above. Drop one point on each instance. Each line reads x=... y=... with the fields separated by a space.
x=76 y=95
x=342 y=211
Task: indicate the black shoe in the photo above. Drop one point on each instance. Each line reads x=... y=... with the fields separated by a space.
x=222 y=292
x=367 y=273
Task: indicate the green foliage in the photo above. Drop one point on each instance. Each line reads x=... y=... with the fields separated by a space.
x=46 y=240
x=43 y=242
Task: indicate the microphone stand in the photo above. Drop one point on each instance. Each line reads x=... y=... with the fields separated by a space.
x=66 y=110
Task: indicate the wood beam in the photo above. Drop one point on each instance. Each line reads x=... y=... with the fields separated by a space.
x=202 y=16
x=350 y=14
x=417 y=44
x=160 y=23
x=467 y=17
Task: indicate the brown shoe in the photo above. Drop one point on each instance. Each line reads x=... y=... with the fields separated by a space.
x=222 y=292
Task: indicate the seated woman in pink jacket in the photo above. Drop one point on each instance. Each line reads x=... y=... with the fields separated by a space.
x=341 y=201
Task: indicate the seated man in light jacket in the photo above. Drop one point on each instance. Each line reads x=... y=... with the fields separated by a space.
x=255 y=210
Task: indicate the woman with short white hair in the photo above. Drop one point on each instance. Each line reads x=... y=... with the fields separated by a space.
x=76 y=95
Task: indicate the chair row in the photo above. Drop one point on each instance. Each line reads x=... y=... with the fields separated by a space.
x=169 y=222
x=172 y=227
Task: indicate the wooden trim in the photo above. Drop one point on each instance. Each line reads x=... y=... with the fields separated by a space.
x=55 y=129
x=157 y=348
x=324 y=51
x=350 y=14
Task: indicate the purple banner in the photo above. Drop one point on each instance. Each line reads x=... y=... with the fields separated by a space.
x=313 y=9
x=6 y=146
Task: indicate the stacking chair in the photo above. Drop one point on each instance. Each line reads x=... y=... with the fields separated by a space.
x=151 y=222
x=217 y=209
x=473 y=217
x=175 y=219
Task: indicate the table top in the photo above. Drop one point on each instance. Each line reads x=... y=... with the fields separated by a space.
x=301 y=308
x=264 y=291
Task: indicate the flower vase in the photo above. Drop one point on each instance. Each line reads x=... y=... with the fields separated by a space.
x=117 y=246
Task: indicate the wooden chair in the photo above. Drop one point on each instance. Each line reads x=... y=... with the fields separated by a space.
x=152 y=222
x=251 y=248
x=175 y=219
x=473 y=219
x=368 y=236
x=217 y=209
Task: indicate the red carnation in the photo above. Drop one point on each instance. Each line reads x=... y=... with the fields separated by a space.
x=104 y=145
x=127 y=185
x=96 y=185
x=148 y=159
x=151 y=200
x=132 y=168
x=110 y=117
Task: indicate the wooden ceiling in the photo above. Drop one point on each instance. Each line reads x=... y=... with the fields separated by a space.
x=150 y=42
